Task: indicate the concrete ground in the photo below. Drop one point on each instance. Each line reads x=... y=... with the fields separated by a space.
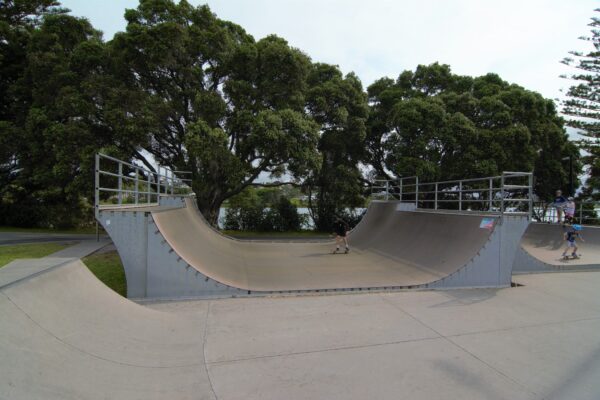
x=64 y=335
x=538 y=341
x=11 y=238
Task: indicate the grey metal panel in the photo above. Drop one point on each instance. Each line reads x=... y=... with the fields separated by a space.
x=183 y=257
x=128 y=231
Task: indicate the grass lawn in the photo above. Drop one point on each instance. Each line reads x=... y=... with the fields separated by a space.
x=88 y=230
x=108 y=268
x=29 y=250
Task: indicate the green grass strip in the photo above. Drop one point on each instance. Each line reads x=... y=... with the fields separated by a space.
x=108 y=268
x=28 y=250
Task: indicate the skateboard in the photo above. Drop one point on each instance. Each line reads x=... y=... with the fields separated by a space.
x=341 y=252
x=571 y=257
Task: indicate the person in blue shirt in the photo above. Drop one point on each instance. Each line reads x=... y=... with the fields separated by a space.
x=560 y=202
x=571 y=237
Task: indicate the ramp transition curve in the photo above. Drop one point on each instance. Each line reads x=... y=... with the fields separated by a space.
x=171 y=251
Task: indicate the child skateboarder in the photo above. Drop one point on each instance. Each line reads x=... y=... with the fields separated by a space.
x=341 y=229
x=571 y=238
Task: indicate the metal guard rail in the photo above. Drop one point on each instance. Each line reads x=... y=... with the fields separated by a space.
x=154 y=184
x=495 y=194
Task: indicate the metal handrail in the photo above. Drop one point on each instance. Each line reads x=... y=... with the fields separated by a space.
x=153 y=183
x=498 y=192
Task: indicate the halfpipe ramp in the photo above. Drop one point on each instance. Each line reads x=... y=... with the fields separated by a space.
x=171 y=252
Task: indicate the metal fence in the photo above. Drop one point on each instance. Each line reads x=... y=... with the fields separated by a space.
x=510 y=192
x=587 y=212
x=122 y=184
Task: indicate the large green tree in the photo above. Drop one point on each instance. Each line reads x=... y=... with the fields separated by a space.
x=339 y=105
x=53 y=122
x=441 y=126
x=583 y=103
x=18 y=21
x=214 y=101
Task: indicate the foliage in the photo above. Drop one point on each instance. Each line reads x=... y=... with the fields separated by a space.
x=340 y=107
x=248 y=212
x=214 y=101
x=583 y=104
x=441 y=126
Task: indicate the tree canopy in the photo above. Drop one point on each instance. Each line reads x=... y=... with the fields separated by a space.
x=189 y=90
x=437 y=125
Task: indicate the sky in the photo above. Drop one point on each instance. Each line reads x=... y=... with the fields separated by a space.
x=521 y=40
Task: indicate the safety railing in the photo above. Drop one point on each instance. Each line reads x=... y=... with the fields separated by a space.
x=122 y=184
x=511 y=192
x=587 y=212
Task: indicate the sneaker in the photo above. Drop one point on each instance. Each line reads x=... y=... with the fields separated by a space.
x=347 y=250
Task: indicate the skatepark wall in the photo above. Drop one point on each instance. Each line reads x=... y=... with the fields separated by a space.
x=542 y=245
x=155 y=270
x=492 y=265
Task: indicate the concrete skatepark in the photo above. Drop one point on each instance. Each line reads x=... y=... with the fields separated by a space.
x=64 y=335
x=170 y=251
x=290 y=320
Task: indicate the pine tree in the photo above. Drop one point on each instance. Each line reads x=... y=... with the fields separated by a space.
x=582 y=106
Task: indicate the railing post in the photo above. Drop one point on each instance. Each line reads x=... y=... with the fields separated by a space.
x=387 y=190
x=149 y=187
x=502 y=194
x=401 y=183
x=158 y=185
x=530 y=194
x=436 y=196
x=416 y=191
x=460 y=195
x=172 y=182
x=491 y=194
x=120 y=184
x=97 y=186
x=137 y=187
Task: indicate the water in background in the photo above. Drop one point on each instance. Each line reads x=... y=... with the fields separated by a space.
x=301 y=210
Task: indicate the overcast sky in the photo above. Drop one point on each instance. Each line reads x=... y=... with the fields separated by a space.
x=521 y=40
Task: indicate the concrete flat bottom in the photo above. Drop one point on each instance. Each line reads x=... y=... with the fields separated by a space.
x=539 y=341
x=64 y=335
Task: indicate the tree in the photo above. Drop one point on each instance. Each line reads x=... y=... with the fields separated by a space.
x=583 y=103
x=18 y=21
x=440 y=126
x=339 y=105
x=56 y=122
x=213 y=101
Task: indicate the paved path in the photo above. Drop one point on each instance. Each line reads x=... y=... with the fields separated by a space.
x=8 y=238
x=64 y=335
x=538 y=341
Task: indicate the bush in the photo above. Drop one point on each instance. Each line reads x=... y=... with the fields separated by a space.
x=248 y=215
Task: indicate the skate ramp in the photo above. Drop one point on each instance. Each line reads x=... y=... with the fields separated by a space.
x=65 y=335
x=542 y=246
x=390 y=248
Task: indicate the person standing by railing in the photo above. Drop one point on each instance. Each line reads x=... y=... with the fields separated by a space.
x=570 y=211
x=559 y=203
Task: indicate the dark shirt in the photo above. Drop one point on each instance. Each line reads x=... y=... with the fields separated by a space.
x=560 y=200
x=340 y=228
x=572 y=235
